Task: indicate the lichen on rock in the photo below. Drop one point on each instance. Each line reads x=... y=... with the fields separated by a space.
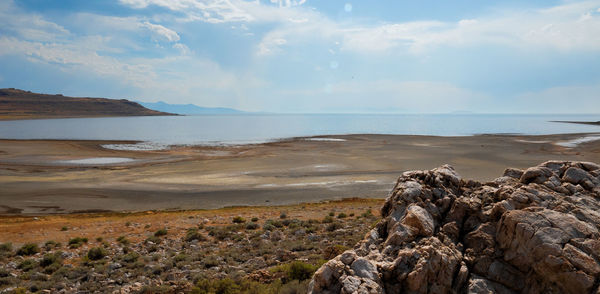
x=529 y=231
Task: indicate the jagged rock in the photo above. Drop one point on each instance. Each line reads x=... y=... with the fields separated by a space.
x=532 y=231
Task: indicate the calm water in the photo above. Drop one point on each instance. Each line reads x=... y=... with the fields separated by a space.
x=252 y=128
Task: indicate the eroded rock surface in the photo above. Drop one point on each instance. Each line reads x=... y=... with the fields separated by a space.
x=531 y=231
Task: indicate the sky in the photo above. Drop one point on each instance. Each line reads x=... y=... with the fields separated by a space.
x=303 y=56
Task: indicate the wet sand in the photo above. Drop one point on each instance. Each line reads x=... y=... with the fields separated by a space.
x=55 y=176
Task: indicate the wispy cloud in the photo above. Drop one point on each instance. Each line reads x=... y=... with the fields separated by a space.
x=161 y=33
x=572 y=26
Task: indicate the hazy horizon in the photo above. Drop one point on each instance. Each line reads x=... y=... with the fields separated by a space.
x=302 y=56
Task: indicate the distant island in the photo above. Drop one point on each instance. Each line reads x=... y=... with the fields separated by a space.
x=187 y=109
x=20 y=104
x=596 y=123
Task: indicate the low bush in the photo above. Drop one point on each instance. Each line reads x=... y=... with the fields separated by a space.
x=333 y=226
x=123 y=240
x=194 y=234
x=252 y=226
x=342 y=215
x=130 y=257
x=96 y=253
x=28 y=249
x=77 y=242
x=50 y=258
x=238 y=220
x=49 y=245
x=27 y=265
x=153 y=239
x=327 y=220
x=160 y=233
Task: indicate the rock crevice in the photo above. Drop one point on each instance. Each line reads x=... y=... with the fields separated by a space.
x=529 y=231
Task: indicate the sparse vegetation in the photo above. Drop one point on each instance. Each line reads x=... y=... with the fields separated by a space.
x=238 y=220
x=96 y=253
x=77 y=242
x=123 y=240
x=160 y=233
x=28 y=249
x=221 y=257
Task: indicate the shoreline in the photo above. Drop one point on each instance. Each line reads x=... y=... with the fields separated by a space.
x=289 y=171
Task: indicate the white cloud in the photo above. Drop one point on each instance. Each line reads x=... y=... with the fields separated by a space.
x=183 y=49
x=31 y=27
x=161 y=33
x=212 y=11
x=75 y=57
x=567 y=27
x=225 y=11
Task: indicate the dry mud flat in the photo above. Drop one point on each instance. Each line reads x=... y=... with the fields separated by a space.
x=53 y=176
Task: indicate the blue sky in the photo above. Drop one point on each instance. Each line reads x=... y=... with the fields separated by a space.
x=310 y=56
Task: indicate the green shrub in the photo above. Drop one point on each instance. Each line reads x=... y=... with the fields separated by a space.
x=49 y=245
x=238 y=220
x=77 y=242
x=332 y=251
x=6 y=247
x=180 y=257
x=224 y=286
x=333 y=226
x=130 y=257
x=99 y=239
x=254 y=219
x=49 y=259
x=252 y=226
x=96 y=253
x=327 y=220
x=294 y=287
x=28 y=249
x=123 y=240
x=160 y=233
x=194 y=234
x=331 y=213
x=153 y=239
x=64 y=229
x=27 y=265
x=298 y=270
x=221 y=233
x=274 y=223
x=342 y=215
x=282 y=215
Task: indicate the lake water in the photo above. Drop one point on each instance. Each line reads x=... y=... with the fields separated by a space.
x=255 y=128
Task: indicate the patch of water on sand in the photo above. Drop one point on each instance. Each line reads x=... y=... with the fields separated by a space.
x=575 y=142
x=142 y=146
x=532 y=141
x=326 y=139
x=96 y=160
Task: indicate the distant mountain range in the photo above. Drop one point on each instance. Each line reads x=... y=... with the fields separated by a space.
x=188 y=108
x=20 y=104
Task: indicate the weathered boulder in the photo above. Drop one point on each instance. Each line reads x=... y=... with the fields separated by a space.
x=532 y=231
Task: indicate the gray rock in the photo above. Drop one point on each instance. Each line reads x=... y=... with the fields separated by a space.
x=365 y=269
x=442 y=234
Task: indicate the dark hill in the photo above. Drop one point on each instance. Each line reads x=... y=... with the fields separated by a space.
x=19 y=104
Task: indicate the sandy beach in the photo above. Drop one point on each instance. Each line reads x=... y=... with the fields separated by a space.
x=54 y=176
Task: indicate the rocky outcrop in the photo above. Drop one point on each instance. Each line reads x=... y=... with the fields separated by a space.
x=531 y=231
